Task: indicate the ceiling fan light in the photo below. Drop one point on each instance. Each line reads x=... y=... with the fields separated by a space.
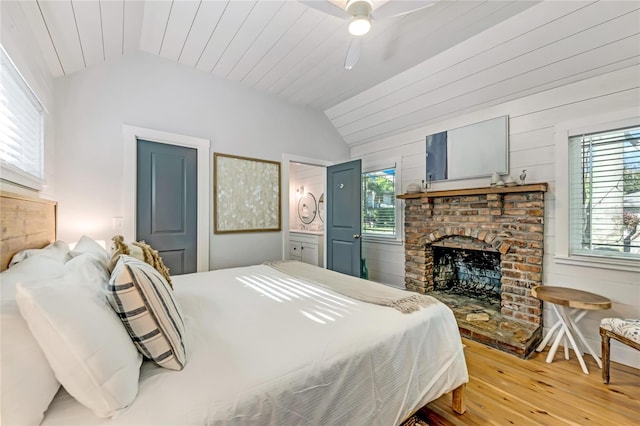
x=359 y=25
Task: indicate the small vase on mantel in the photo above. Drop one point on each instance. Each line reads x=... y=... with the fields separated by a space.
x=495 y=177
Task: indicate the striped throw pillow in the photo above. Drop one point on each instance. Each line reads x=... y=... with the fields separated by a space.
x=144 y=302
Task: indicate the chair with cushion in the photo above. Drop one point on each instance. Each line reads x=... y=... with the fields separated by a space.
x=626 y=331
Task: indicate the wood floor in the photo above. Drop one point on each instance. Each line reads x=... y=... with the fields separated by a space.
x=504 y=390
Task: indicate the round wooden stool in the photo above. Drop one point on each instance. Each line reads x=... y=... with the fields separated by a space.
x=581 y=302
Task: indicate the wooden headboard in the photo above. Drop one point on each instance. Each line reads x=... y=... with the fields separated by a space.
x=26 y=223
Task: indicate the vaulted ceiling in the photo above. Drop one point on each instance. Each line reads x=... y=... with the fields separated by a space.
x=442 y=61
x=285 y=48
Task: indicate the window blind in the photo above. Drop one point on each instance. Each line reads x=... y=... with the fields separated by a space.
x=20 y=126
x=604 y=188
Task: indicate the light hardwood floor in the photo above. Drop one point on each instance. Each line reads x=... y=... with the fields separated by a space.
x=505 y=390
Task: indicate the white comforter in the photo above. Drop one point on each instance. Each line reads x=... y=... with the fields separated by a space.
x=268 y=349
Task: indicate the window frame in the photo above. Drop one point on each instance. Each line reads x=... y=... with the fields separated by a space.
x=372 y=166
x=564 y=131
x=9 y=172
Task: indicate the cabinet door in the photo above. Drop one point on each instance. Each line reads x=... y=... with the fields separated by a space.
x=309 y=253
x=295 y=249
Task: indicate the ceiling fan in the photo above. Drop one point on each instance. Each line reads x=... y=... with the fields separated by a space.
x=361 y=13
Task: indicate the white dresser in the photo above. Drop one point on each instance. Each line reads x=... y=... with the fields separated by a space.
x=307 y=246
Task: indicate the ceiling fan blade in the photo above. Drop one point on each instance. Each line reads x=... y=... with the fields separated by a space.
x=400 y=7
x=353 y=52
x=327 y=7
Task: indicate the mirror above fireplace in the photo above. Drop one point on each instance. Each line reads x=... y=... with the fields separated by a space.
x=472 y=151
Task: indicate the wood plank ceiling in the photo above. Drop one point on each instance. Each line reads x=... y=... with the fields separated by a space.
x=449 y=59
x=550 y=45
x=282 y=47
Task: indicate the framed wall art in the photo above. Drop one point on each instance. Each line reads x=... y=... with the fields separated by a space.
x=246 y=194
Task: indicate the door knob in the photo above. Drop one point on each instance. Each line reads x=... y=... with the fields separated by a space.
x=356 y=236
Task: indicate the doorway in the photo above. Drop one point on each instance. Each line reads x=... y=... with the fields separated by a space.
x=344 y=220
x=306 y=185
x=166 y=204
x=292 y=221
x=202 y=146
x=303 y=179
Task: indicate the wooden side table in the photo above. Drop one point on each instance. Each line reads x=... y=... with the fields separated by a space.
x=566 y=326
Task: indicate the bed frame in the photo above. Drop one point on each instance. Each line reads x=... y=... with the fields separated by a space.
x=26 y=223
x=31 y=223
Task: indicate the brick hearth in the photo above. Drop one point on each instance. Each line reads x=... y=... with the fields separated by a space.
x=509 y=221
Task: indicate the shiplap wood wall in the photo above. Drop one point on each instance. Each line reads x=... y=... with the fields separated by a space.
x=550 y=45
x=532 y=146
x=533 y=121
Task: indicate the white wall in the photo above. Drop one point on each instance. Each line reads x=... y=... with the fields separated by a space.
x=532 y=147
x=148 y=91
x=18 y=41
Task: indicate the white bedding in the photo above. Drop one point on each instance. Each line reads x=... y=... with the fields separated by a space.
x=268 y=349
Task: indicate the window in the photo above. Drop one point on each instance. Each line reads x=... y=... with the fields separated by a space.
x=379 y=207
x=20 y=128
x=604 y=193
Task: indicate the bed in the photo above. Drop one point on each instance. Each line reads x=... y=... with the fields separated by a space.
x=278 y=344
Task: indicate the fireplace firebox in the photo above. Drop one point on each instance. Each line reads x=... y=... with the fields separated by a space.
x=472 y=273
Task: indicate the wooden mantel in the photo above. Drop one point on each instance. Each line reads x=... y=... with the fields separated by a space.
x=534 y=187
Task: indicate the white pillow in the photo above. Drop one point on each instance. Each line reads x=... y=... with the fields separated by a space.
x=28 y=383
x=58 y=250
x=83 y=339
x=34 y=268
x=91 y=267
x=89 y=245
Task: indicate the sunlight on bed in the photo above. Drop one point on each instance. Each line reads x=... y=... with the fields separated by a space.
x=315 y=304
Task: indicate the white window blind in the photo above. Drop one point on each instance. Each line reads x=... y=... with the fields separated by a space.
x=379 y=203
x=20 y=127
x=604 y=193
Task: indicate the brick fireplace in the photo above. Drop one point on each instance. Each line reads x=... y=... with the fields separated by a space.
x=475 y=226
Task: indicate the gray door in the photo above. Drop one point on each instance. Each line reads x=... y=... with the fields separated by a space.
x=167 y=208
x=343 y=225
